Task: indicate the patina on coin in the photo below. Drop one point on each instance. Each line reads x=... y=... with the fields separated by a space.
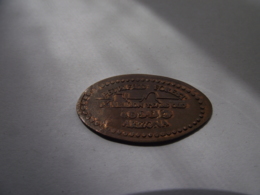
x=143 y=108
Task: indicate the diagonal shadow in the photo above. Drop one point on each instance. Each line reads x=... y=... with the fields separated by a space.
x=228 y=31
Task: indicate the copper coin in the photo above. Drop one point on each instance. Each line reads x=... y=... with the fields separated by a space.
x=143 y=108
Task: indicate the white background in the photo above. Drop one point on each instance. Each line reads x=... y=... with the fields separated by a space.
x=52 y=50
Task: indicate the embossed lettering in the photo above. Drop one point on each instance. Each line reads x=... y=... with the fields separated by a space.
x=142 y=114
x=110 y=104
x=146 y=124
x=152 y=105
x=112 y=99
x=132 y=115
x=153 y=114
x=169 y=90
x=166 y=114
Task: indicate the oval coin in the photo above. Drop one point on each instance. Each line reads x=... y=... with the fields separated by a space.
x=143 y=108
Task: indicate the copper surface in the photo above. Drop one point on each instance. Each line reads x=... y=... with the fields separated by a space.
x=143 y=108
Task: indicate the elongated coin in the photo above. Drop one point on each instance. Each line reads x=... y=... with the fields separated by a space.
x=143 y=108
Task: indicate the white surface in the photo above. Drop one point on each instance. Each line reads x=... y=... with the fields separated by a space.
x=51 y=51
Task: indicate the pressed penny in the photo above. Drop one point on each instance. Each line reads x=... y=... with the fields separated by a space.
x=143 y=108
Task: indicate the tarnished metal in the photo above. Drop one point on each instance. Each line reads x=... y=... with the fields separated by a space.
x=143 y=108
